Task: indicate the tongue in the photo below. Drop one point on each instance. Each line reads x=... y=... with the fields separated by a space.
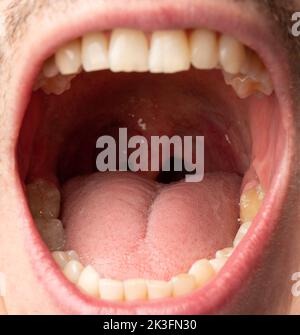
x=127 y=226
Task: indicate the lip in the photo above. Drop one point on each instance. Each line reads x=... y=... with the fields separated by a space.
x=166 y=15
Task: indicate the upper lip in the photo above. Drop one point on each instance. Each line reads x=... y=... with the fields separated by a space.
x=149 y=16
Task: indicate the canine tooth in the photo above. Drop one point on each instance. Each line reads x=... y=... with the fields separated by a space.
x=159 y=289
x=68 y=58
x=169 y=52
x=202 y=271
x=135 y=289
x=232 y=54
x=250 y=203
x=61 y=258
x=73 y=270
x=44 y=199
x=52 y=232
x=224 y=253
x=94 y=52
x=111 y=289
x=183 y=284
x=241 y=233
x=128 y=51
x=88 y=281
x=204 y=49
x=50 y=69
x=218 y=263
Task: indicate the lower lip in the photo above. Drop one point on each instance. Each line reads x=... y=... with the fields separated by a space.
x=233 y=275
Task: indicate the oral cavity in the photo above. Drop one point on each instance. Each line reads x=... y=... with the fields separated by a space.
x=77 y=217
x=128 y=50
x=45 y=204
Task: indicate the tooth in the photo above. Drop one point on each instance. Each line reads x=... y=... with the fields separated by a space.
x=72 y=255
x=50 y=69
x=169 y=52
x=204 y=49
x=94 y=52
x=88 y=281
x=57 y=85
x=245 y=86
x=218 y=263
x=159 y=289
x=52 y=233
x=73 y=270
x=224 y=253
x=135 y=289
x=250 y=203
x=44 y=199
x=241 y=233
x=202 y=271
x=255 y=72
x=111 y=289
x=68 y=58
x=61 y=258
x=128 y=51
x=232 y=54
x=183 y=284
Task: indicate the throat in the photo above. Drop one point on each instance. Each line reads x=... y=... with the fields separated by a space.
x=127 y=226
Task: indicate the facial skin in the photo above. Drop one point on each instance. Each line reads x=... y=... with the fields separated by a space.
x=282 y=258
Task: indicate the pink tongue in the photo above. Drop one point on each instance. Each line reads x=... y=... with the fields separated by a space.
x=129 y=227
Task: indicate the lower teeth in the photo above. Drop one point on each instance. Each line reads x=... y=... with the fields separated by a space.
x=44 y=203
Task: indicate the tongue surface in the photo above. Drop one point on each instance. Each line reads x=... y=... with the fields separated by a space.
x=129 y=227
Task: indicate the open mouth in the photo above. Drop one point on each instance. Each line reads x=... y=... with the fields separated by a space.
x=148 y=241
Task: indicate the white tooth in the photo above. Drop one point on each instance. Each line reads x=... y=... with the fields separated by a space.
x=73 y=270
x=111 y=289
x=94 y=52
x=52 y=233
x=128 y=51
x=135 y=289
x=224 y=253
x=250 y=203
x=204 y=49
x=159 y=289
x=241 y=233
x=218 y=263
x=44 y=199
x=232 y=54
x=68 y=58
x=72 y=255
x=50 y=69
x=202 y=271
x=183 y=284
x=169 y=52
x=61 y=258
x=88 y=281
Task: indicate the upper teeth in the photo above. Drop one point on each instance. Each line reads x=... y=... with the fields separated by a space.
x=169 y=51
